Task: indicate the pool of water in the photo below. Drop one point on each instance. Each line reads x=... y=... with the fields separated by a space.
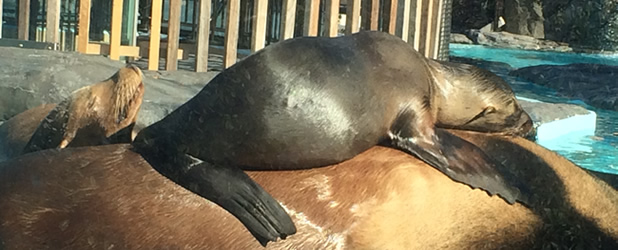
x=598 y=153
x=523 y=58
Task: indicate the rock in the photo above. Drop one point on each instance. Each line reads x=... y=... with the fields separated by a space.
x=460 y=38
x=590 y=24
x=31 y=77
x=585 y=25
x=542 y=112
x=524 y=17
x=508 y=40
x=471 y=14
x=595 y=84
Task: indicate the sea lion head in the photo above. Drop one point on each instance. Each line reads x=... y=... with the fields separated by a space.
x=127 y=93
x=471 y=98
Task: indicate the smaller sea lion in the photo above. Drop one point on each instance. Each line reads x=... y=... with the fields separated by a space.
x=315 y=101
x=92 y=114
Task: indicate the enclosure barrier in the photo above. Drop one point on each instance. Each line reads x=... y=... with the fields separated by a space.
x=419 y=22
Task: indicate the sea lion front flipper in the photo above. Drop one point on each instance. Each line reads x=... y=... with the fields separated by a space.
x=51 y=131
x=232 y=189
x=457 y=158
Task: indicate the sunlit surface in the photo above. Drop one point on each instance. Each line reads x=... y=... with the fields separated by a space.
x=599 y=152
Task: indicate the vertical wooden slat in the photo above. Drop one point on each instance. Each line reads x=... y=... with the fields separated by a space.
x=52 y=21
x=392 y=17
x=173 y=35
x=231 y=33
x=155 y=35
x=405 y=28
x=288 y=20
x=431 y=28
x=0 y=18
x=332 y=17
x=412 y=21
x=421 y=25
x=436 y=40
x=258 y=34
x=203 y=34
x=83 y=26
x=375 y=14
x=1 y=4
x=114 y=44
x=312 y=14
x=23 y=22
x=352 y=14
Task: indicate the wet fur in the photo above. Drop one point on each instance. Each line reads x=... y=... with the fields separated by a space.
x=99 y=197
x=92 y=114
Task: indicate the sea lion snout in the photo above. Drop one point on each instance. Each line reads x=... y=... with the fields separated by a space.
x=526 y=124
x=526 y=127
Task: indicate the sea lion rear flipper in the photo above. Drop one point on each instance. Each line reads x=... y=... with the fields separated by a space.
x=51 y=131
x=232 y=189
x=464 y=162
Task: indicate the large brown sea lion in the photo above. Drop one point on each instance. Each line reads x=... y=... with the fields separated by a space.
x=90 y=115
x=109 y=197
x=313 y=101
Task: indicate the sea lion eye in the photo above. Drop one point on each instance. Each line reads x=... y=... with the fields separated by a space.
x=489 y=110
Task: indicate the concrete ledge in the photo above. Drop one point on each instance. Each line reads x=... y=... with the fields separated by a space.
x=560 y=126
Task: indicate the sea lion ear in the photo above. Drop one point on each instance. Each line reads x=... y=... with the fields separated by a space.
x=489 y=110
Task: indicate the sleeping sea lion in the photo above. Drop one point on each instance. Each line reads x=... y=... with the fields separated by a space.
x=92 y=114
x=87 y=198
x=313 y=101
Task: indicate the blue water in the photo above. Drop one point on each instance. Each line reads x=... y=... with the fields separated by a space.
x=523 y=58
x=599 y=153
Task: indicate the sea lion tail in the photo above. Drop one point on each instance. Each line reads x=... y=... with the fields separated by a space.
x=464 y=162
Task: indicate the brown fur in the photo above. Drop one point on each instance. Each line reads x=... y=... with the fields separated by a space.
x=15 y=132
x=92 y=113
x=109 y=197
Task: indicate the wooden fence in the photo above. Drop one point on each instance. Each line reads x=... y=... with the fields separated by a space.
x=419 y=22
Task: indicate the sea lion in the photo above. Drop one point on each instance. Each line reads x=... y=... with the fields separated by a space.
x=87 y=198
x=313 y=101
x=92 y=114
x=15 y=132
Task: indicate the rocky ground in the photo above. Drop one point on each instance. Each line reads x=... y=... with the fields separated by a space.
x=593 y=83
x=508 y=40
